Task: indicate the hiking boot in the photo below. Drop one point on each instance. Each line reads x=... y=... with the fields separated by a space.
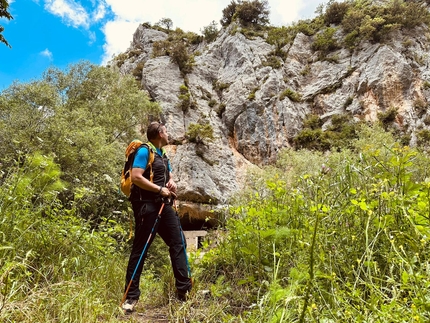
x=182 y=295
x=128 y=306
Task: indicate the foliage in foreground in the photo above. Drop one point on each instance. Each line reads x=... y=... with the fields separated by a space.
x=338 y=237
x=342 y=237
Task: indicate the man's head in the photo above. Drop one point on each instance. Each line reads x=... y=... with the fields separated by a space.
x=157 y=133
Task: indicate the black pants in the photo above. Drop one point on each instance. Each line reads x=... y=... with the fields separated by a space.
x=169 y=229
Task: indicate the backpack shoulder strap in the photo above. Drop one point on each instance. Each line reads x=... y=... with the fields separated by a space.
x=151 y=157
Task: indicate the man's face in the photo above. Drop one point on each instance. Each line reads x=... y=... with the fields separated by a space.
x=164 y=136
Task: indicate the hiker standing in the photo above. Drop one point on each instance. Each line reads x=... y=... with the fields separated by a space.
x=148 y=198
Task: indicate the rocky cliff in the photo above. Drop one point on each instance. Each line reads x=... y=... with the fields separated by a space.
x=234 y=88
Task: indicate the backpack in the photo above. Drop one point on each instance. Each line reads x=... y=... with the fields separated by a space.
x=130 y=153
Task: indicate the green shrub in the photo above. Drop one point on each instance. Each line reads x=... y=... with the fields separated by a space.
x=120 y=59
x=348 y=102
x=179 y=55
x=210 y=32
x=219 y=87
x=325 y=41
x=387 y=117
x=228 y=14
x=212 y=103
x=312 y=121
x=184 y=98
x=311 y=139
x=221 y=109
x=160 y=48
x=338 y=135
x=321 y=222
x=176 y=47
x=279 y=37
x=293 y=96
x=88 y=113
x=137 y=71
x=273 y=62
x=255 y=12
x=335 y=12
x=307 y=27
x=199 y=133
x=423 y=137
x=251 y=95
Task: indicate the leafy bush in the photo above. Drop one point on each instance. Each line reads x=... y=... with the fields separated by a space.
x=199 y=133
x=343 y=238
x=338 y=135
x=272 y=61
x=228 y=13
x=210 y=32
x=279 y=37
x=52 y=261
x=307 y=27
x=176 y=46
x=335 y=12
x=184 y=97
x=387 y=117
x=179 y=55
x=253 y=12
x=374 y=22
x=212 y=103
x=423 y=137
x=293 y=96
x=325 y=41
x=312 y=121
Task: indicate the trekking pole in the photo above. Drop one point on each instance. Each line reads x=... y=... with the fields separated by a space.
x=141 y=255
x=183 y=244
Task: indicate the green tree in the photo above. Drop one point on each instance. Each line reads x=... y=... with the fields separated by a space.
x=253 y=12
x=335 y=12
x=166 y=22
x=248 y=12
x=279 y=37
x=83 y=117
x=210 y=32
x=228 y=13
x=4 y=5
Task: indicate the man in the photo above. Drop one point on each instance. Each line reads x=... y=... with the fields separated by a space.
x=147 y=198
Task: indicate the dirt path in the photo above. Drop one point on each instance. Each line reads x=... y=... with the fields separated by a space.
x=147 y=315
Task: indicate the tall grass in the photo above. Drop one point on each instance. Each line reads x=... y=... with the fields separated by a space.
x=340 y=237
x=54 y=267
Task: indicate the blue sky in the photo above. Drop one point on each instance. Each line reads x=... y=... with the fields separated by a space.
x=58 y=33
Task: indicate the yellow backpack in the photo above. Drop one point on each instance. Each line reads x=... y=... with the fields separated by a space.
x=130 y=153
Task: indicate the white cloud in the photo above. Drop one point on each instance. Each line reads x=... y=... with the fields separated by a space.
x=100 y=12
x=119 y=34
x=47 y=53
x=283 y=12
x=189 y=15
x=71 y=12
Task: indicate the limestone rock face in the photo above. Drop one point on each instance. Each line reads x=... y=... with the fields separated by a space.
x=232 y=88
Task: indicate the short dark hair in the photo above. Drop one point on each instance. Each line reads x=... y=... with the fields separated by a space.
x=153 y=130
